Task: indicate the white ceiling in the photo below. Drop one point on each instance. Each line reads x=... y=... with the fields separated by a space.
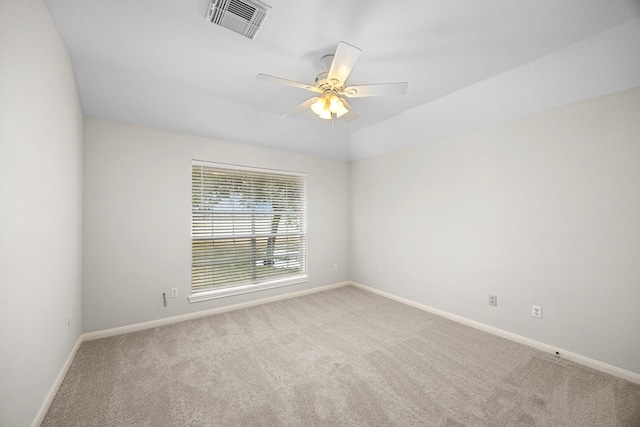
x=159 y=63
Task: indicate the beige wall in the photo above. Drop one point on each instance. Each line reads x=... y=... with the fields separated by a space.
x=40 y=209
x=541 y=210
x=137 y=219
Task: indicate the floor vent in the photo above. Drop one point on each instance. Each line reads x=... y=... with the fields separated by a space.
x=241 y=16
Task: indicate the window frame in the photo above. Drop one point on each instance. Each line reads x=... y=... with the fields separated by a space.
x=265 y=283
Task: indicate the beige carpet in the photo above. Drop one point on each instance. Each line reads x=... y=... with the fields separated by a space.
x=343 y=357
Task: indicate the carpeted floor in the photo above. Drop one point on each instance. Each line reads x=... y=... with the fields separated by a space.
x=343 y=357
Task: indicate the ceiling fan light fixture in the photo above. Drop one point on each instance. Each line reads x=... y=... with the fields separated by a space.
x=335 y=104
x=326 y=114
x=328 y=106
x=319 y=105
x=342 y=110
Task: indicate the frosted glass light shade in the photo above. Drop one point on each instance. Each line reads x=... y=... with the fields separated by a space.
x=319 y=106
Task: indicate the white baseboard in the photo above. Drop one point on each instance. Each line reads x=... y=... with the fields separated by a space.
x=195 y=315
x=577 y=358
x=56 y=385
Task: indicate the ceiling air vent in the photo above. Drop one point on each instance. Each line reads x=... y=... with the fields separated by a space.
x=244 y=17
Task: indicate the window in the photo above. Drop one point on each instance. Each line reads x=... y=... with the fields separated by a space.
x=248 y=229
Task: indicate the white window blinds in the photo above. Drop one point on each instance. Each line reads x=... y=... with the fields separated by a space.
x=248 y=226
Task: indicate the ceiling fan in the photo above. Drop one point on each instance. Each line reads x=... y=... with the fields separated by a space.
x=331 y=86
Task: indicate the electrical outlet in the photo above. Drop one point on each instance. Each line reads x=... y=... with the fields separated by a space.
x=335 y=267
x=536 y=311
x=174 y=292
x=493 y=300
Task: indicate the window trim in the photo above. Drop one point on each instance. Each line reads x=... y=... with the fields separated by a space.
x=251 y=287
x=246 y=288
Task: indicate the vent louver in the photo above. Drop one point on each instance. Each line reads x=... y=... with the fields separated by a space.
x=241 y=16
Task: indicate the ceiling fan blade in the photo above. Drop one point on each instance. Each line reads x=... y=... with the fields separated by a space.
x=382 y=89
x=274 y=79
x=351 y=115
x=300 y=108
x=344 y=60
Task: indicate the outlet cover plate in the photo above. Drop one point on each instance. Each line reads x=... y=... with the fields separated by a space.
x=536 y=311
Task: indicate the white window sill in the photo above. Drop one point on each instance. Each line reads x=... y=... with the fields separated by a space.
x=245 y=289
